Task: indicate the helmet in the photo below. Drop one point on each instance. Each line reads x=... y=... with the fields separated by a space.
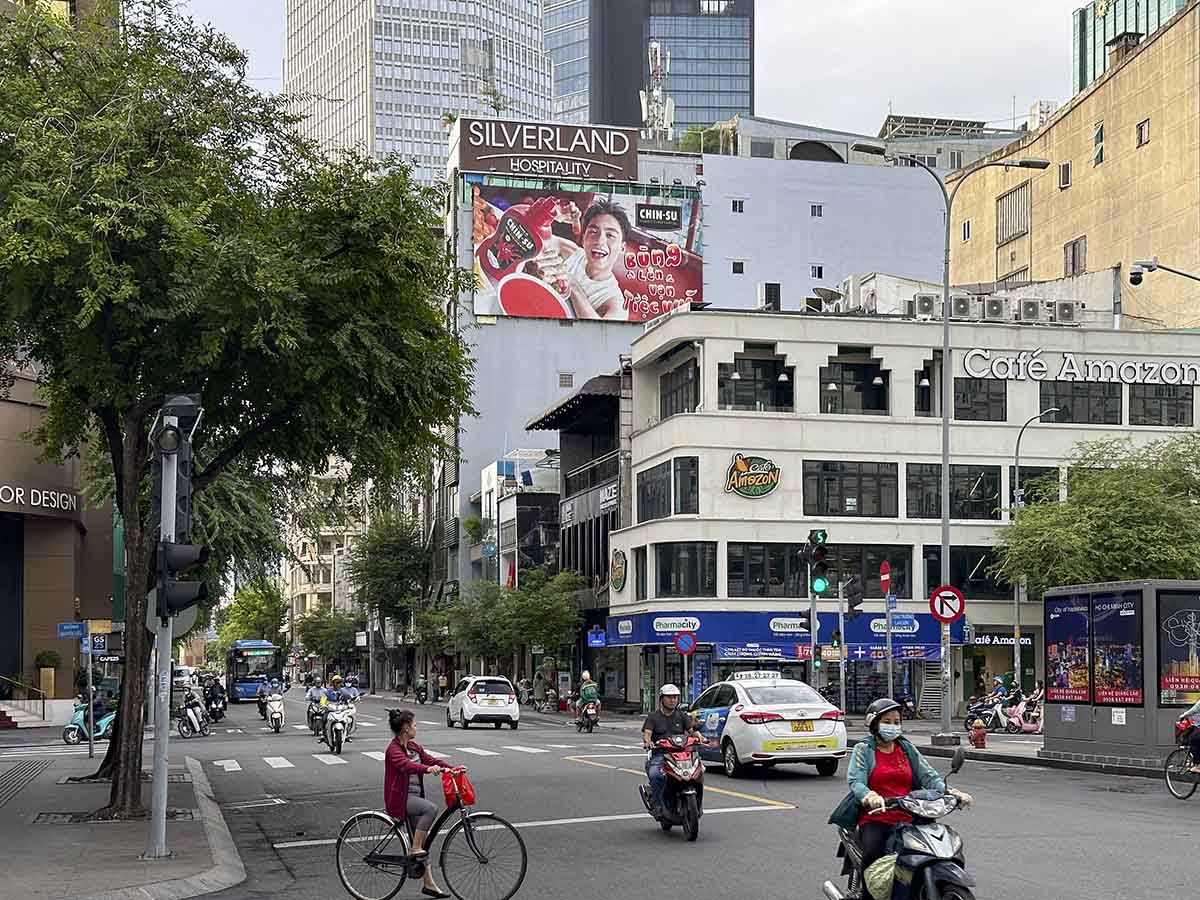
x=997 y=680
x=668 y=690
x=876 y=710
x=335 y=680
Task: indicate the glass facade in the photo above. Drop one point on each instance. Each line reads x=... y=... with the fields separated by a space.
x=1099 y=22
x=566 y=24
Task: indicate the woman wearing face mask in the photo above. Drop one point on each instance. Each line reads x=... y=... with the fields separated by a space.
x=884 y=765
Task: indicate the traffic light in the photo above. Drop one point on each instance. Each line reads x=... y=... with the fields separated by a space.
x=172 y=443
x=175 y=596
x=854 y=596
x=816 y=552
x=805 y=617
x=836 y=640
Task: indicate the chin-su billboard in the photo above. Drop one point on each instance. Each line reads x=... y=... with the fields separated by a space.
x=558 y=254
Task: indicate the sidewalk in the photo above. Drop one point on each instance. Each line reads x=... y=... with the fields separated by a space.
x=51 y=855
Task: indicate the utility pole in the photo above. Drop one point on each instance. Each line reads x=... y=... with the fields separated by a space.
x=812 y=631
x=842 y=643
x=90 y=700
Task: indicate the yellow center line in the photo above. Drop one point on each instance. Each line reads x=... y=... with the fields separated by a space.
x=707 y=788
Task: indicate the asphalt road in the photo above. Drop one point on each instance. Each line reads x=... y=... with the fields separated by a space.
x=1034 y=832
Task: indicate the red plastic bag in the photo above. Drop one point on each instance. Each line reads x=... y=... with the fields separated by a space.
x=465 y=793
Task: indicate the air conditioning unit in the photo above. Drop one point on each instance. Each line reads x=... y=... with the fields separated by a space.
x=928 y=305
x=997 y=309
x=1032 y=311
x=962 y=306
x=770 y=295
x=1066 y=312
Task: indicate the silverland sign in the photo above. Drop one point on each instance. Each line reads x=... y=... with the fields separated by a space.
x=1029 y=365
x=547 y=149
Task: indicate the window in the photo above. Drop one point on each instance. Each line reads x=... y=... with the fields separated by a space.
x=1064 y=175
x=686 y=569
x=1082 y=402
x=1039 y=484
x=1012 y=214
x=1143 y=132
x=679 y=390
x=981 y=399
x=766 y=570
x=639 y=572
x=1160 y=404
x=1016 y=277
x=850 y=489
x=566 y=379
x=816 y=271
x=956 y=159
x=762 y=149
x=1075 y=257
x=816 y=210
x=974 y=491
x=739 y=206
x=654 y=492
x=863 y=560
x=859 y=389
x=966 y=230
x=969 y=572
x=687 y=484
x=739 y=267
x=1098 y=144
x=760 y=385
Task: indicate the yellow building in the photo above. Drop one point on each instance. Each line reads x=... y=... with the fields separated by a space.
x=67 y=9
x=1123 y=184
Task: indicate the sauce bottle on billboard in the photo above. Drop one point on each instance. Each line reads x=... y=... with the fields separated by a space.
x=523 y=231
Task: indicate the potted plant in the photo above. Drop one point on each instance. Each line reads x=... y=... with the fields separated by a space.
x=47 y=661
x=473 y=526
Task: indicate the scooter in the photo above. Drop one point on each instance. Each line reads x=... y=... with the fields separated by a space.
x=930 y=865
x=589 y=717
x=991 y=711
x=275 y=711
x=192 y=719
x=216 y=708
x=549 y=703
x=422 y=695
x=262 y=706
x=76 y=730
x=316 y=717
x=908 y=707
x=1018 y=724
x=339 y=720
x=683 y=796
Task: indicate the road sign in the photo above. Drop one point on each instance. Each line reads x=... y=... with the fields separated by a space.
x=685 y=642
x=947 y=603
x=597 y=637
x=99 y=643
x=489 y=549
x=885 y=577
x=68 y=630
x=891 y=601
x=111 y=658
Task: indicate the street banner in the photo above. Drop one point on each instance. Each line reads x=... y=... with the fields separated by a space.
x=1178 y=648
x=1117 y=649
x=1068 y=638
x=564 y=254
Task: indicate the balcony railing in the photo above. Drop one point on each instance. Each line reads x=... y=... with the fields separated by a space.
x=592 y=474
x=450 y=535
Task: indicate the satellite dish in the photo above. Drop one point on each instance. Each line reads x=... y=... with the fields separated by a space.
x=827 y=294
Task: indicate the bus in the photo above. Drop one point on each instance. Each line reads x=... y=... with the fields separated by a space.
x=247 y=665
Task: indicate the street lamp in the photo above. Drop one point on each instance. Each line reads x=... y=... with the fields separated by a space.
x=1018 y=502
x=1141 y=266
x=947 y=736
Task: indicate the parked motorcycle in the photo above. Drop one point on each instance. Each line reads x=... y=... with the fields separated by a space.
x=589 y=717
x=683 y=797
x=1020 y=723
x=908 y=706
x=339 y=721
x=524 y=692
x=275 y=711
x=930 y=864
x=76 y=731
x=192 y=719
x=549 y=703
x=991 y=711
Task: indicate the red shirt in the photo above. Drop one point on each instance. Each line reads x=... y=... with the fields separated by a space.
x=891 y=777
x=397 y=767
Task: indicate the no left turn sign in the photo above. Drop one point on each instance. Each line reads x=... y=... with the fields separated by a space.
x=947 y=603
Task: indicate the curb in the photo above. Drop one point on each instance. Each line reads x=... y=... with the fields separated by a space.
x=227 y=869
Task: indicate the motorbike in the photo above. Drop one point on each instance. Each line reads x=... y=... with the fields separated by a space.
x=1177 y=769
x=316 y=717
x=275 y=711
x=192 y=719
x=589 y=717
x=930 y=864
x=990 y=710
x=1020 y=723
x=262 y=706
x=339 y=722
x=422 y=694
x=908 y=706
x=683 y=796
x=524 y=692
x=216 y=707
x=76 y=731
x=549 y=703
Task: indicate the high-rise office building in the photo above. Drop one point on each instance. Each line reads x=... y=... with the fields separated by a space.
x=601 y=64
x=1099 y=24
x=386 y=76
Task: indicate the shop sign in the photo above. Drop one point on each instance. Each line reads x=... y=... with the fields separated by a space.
x=792 y=625
x=902 y=623
x=659 y=218
x=625 y=628
x=672 y=624
x=1029 y=366
x=568 y=513
x=751 y=476
x=547 y=149
x=1001 y=640
x=39 y=499
x=729 y=652
x=608 y=497
x=618 y=570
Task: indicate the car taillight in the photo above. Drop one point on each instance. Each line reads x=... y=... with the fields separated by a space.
x=471 y=696
x=760 y=718
x=836 y=714
x=512 y=698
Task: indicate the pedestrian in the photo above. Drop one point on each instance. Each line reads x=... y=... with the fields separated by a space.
x=443 y=684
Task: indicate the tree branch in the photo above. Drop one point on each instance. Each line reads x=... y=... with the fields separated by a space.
x=227 y=456
x=116 y=450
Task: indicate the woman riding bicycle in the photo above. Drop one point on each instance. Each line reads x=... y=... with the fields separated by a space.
x=405 y=765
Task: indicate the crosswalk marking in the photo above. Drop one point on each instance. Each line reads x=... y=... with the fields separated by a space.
x=423 y=722
x=277 y=762
x=300 y=727
x=329 y=759
x=229 y=765
x=367 y=724
x=562 y=746
x=476 y=751
x=374 y=754
x=234 y=731
x=521 y=749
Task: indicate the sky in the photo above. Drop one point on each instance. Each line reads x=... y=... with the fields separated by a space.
x=839 y=64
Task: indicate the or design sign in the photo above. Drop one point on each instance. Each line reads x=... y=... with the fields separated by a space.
x=562 y=254
x=40 y=501
x=751 y=476
x=618 y=570
x=947 y=603
x=1029 y=366
x=544 y=149
x=597 y=637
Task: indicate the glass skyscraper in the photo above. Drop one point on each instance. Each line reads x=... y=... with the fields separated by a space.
x=566 y=25
x=1103 y=20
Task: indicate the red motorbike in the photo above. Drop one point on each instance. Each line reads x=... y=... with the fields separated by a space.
x=1177 y=770
x=683 y=797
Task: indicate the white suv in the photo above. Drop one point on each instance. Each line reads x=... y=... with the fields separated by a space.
x=483 y=699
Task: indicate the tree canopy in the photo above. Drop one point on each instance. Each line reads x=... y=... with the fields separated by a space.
x=489 y=620
x=388 y=567
x=328 y=633
x=258 y=611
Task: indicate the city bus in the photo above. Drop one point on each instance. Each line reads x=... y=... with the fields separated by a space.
x=248 y=664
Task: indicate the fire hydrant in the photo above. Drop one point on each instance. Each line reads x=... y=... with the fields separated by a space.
x=978 y=735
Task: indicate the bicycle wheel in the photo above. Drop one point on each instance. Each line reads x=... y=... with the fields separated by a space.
x=483 y=858
x=366 y=834
x=1180 y=782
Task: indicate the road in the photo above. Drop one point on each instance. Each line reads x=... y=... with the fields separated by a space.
x=1034 y=833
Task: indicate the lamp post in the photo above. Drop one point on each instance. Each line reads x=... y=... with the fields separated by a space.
x=1018 y=503
x=947 y=736
x=1141 y=266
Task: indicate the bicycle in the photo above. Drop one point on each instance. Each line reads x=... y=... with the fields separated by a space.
x=472 y=853
x=1178 y=765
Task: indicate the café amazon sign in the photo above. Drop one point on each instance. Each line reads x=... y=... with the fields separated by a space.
x=1028 y=365
x=547 y=149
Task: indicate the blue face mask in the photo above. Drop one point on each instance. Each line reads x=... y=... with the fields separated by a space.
x=890 y=732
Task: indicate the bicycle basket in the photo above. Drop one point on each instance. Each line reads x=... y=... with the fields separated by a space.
x=458 y=788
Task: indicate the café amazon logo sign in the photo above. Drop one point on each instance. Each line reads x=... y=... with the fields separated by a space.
x=751 y=476
x=618 y=570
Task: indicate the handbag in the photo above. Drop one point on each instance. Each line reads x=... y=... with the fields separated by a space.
x=457 y=788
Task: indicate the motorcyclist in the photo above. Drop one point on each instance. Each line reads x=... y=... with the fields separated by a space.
x=589 y=692
x=666 y=721
x=99 y=707
x=884 y=765
x=336 y=693
x=214 y=690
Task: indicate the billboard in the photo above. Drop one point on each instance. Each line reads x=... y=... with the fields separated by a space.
x=1067 y=623
x=1117 y=667
x=547 y=149
x=1178 y=648
x=561 y=254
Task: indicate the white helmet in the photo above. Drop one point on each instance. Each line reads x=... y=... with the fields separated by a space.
x=668 y=690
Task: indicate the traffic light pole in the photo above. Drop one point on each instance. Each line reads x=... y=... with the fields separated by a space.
x=812 y=630
x=887 y=605
x=842 y=642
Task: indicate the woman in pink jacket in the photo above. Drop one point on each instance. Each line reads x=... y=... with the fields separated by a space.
x=405 y=765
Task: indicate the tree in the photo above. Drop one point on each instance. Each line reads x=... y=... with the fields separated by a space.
x=388 y=566
x=694 y=137
x=328 y=633
x=493 y=98
x=476 y=618
x=257 y=612
x=542 y=610
x=163 y=226
x=1129 y=513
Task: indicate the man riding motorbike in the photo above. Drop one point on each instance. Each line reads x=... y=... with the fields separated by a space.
x=666 y=721
x=335 y=693
x=589 y=692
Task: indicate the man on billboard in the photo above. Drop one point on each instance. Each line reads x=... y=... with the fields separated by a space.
x=587 y=270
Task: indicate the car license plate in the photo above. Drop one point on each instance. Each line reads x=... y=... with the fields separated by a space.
x=493 y=702
x=802 y=725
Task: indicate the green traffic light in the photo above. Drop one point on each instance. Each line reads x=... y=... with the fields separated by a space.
x=820 y=585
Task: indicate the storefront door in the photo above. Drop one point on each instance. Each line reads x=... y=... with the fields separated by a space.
x=12 y=600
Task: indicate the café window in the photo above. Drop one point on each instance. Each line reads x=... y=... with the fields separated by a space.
x=1082 y=402
x=687 y=484
x=759 y=384
x=863 y=560
x=654 y=492
x=686 y=569
x=833 y=488
x=981 y=399
x=1039 y=484
x=974 y=491
x=853 y=384
x=970 y=572
x=640 y=574
x=679 y=390
x=766 y=570
x=1160 y=404
x=923 y=390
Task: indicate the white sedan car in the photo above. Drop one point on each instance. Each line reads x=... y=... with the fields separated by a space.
x=760 y=718
x=483 y=699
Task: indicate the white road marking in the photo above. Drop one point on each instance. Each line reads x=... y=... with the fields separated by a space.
x=229 y=765
x=366 y=724
x=300 y=727
x=609 y=755
x=476 y=751
x=423 y=722
x=254 y=804
x=562 y=746
x=277 y=762
x=374 y=754
x=521 y=749
x=234 y=731
x=329 y=759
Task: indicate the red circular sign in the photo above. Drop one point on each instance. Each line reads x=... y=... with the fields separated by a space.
x=947 y=603
x=685 y=642
x=885 y=577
